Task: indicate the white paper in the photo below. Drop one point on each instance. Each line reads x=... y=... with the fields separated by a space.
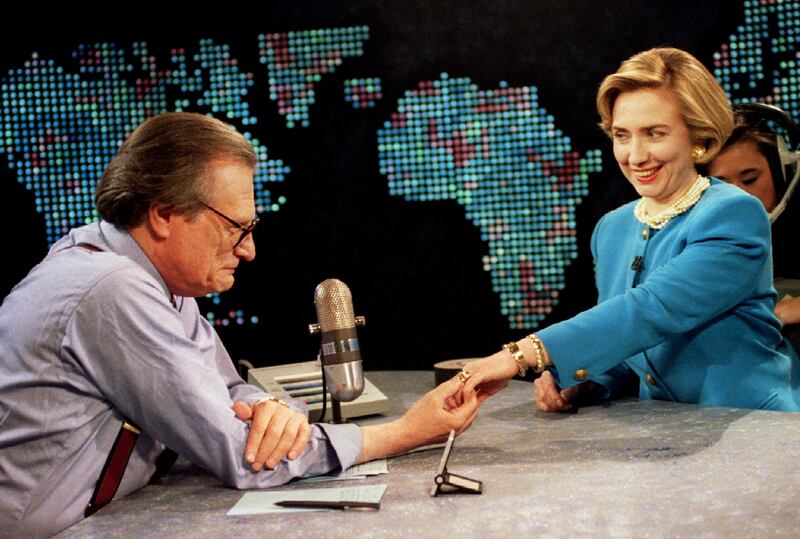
x=359 y=471
x=259 y=502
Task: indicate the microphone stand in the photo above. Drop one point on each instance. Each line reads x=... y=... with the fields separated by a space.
x=337 y=412
x=336 y=406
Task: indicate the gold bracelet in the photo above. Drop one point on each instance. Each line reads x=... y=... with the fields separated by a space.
x=519 y=359
x=274 y=399
x=539 y=351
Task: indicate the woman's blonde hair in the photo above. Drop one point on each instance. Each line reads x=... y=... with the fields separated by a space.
x=704 y=106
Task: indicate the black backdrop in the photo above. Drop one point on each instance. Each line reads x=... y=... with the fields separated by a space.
x=414 y=268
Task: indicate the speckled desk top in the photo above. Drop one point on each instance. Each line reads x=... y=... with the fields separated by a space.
x=625 y=469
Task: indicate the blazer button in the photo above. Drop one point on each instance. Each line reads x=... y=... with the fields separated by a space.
x=650 y=379
x=580 y=375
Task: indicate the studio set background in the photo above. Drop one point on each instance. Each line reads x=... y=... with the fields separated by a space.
x=441 y=158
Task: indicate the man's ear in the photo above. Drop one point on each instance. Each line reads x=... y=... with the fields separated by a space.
x=160 y=217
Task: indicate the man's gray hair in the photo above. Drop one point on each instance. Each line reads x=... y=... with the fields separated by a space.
x=165 y=160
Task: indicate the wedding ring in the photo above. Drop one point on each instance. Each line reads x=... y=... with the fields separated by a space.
x=463 y=376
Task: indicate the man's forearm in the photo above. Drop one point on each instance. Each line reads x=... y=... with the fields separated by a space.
x=378 y=441
x=429 y=420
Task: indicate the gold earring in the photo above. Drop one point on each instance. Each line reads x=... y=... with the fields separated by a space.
x=698 y=152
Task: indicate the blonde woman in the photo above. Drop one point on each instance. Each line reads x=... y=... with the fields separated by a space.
x=683 y=273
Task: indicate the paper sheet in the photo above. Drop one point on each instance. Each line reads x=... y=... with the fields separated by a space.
x=359 y=471
x=259 y=502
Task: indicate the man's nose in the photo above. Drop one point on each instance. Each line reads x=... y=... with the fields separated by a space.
x=246 y=250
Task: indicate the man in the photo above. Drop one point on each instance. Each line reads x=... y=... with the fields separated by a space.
x=104 y=337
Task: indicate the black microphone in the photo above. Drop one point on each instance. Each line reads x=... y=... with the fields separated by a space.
x=340 y=352
x=638 y=264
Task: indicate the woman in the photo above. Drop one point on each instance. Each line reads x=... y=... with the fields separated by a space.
x=683 y=274
x=752 y=160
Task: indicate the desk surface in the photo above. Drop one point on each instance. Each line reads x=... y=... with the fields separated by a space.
x=629 y=468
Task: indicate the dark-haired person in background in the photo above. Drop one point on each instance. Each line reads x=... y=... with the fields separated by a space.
x=683 y=274
x=103 y=339
x=757 y=158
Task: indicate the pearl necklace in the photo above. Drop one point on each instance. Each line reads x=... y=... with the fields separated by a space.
x=681 y=205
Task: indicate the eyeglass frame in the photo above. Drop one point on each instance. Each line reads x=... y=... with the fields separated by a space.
x=246 y=230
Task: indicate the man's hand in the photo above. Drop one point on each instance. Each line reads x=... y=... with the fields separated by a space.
x=276 y=431
x=429 y=420
x=432 y=417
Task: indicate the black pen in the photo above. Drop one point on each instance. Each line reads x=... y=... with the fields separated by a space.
x=333 y=504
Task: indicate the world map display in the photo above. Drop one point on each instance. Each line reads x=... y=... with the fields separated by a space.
x=493 y=150
x=761 y=61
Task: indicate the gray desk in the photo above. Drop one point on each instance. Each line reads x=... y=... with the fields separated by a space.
x=625 y=469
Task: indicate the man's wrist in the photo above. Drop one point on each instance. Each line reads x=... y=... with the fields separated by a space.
x=276 y=400
x=387 y=439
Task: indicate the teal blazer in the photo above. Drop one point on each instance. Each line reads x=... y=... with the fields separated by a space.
x=695 y=322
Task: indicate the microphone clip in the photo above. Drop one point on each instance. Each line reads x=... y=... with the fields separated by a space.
x=314 y=329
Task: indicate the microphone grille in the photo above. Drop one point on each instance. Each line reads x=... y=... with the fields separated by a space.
x=334 y=304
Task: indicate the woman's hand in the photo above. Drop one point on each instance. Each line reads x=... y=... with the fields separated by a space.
x=489 y=375
x=550 y=398
x=788 y=310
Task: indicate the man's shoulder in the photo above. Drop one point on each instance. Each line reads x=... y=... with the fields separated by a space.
x=115 y=280
x=91 y=266
x=72 y=274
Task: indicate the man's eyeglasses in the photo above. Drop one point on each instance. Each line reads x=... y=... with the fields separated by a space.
x=245 y=229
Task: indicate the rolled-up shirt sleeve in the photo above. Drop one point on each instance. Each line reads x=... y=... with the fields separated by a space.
x=201 y=331
x=166 y=370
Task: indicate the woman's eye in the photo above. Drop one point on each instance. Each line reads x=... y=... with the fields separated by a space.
x=750 y=181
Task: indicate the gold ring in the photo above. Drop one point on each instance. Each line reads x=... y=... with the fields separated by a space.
x=463 y=376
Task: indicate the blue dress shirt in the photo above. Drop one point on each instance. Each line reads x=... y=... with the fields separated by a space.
x=89 y=338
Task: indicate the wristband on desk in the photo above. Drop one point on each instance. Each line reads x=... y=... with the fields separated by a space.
x=516 y=354
x=538 y=349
